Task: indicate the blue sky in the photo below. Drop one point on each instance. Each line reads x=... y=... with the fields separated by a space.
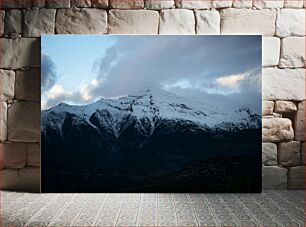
x=80 y=69
x=74 y=56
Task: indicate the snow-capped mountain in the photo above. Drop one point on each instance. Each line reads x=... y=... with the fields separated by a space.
x=148 y=110
x=137 y=142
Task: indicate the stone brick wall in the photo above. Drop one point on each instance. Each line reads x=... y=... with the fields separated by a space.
x=281 y=22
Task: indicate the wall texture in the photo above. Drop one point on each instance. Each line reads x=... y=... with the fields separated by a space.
x=281 y=22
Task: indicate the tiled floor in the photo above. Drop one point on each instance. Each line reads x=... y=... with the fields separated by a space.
x=271 y=208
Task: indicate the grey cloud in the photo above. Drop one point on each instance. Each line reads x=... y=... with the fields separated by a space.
x=149 y=61
x=136 y=63
x=48 y=74
x=74 y=97
x=252 y=82
x=104 y=65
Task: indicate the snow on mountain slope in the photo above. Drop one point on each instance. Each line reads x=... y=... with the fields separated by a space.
x=151 y=106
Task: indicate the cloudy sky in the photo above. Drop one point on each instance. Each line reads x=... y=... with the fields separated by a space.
x=79 y=69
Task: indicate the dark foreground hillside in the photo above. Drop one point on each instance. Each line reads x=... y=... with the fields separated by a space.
x=180 y=161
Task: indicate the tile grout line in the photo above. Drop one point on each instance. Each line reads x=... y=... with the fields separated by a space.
x=39 y=212
x=216 y=219
x=287 y=201
x=101 y=211
x=266 y=202
x=11 y=203
x=157 y=213
x=64 y=207
x=247 y=209
x=81 y=210
x=230 y=210
x=194 y=215
x=22 y=198
x=35 y=199
x=263 y=209
x=269 y=214
x=275 y=205
x=117 y=219
x=174 y=203
x=156 y=209
x=140 y=202
x=273 y=202
x=138 y=210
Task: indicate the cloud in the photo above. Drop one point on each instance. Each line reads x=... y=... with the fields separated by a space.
x=136 y=63
x=182 y=83
x=231 y=81
x=211 y=66
x=106 y=63
x=233 y=91
x=56 y=91
x=85 y=91
x=227 y=84
x=48 y=74
x=57 y=94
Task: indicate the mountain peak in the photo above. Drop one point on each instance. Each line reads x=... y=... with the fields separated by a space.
x=150 y=91
x=157 y=103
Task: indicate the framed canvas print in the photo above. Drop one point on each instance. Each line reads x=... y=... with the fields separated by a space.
x=151 y=113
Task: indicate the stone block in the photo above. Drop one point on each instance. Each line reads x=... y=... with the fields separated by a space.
x=285 y=107
x=2 y=15
x=283 y=84
x=293 y=52
x=3 y=121
x=80 y=3
x=159 y=4
x=192 y=4
x=126 y=4
x=242 y=4
x=26 y=179
x=7 y=85
x=299 y=122
x=303 y=157
x=38 y=22
x=15 y=4
x=20 y=53
x=177 y=21
x=222 y=3
x=270 y=51
x=100 y=3
x=56 y=4
x=277 y=130
x=133 y=22
x=13 y=155
x=39 y=3
x=296 y=176
x=208 y=22
x=293 y=4
x=81 y=21
x=30 y=179
x=267 y=107
x=289 y=153
x=290 y=22
x=27 y=86
x=13 y=21
x=269 y=154
x=262 y=4
x=9 y=179
x=274 y=177
x=248 y=21
x=33 y=154
x=24 y=122
x=277 y=115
